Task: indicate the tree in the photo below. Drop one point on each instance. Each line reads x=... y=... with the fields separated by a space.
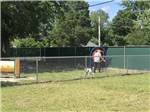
x=142 y=12
x=21 y=19
x=73 y=28
x=138 y=37
x=123 y=23
x=26 y=43
x=141 y=27
x=94 y=16
x=132 y=22
x=30 y=42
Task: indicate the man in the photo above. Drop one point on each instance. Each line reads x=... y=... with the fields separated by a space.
x=97 y=58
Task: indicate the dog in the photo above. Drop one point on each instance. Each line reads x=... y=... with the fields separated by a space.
x=89 y=71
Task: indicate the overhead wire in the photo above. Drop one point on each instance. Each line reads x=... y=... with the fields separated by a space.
x=100 y=3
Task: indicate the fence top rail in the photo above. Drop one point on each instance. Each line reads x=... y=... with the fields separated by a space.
x=134 y=46
x=63 y=57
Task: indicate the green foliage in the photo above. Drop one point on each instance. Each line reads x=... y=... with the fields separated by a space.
x=133 y=23
x=109 y=35
x=143 y=21
x=94 y=16
x=122 y=23
x=24 y=18
x=73 y=28
x=45 y=43
x=30 y=42
x=138 y=37
x=68 y=23
x=26 y=43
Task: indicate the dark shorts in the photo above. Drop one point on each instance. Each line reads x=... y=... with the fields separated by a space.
x=96 y=66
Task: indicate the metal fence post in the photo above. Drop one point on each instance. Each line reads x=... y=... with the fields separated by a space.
x=124 y=58
x=85 y=61
x=127 y=65
x=37 y=70
x=149 y=62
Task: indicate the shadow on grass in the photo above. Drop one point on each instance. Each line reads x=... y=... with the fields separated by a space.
x=8 y=83
x=11 y=84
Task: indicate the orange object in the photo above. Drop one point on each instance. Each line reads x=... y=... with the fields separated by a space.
x=17 y=67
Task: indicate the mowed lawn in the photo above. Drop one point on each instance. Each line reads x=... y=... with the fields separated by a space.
x=129 y=93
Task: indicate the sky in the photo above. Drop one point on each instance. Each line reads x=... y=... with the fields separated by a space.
x=111 y=8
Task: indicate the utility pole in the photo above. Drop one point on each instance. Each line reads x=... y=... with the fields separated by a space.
x=99 y=21
x=99 y=31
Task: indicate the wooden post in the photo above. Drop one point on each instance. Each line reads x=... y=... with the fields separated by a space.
x=17 y=68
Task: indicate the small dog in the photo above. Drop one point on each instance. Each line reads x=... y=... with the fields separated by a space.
x=89 y=71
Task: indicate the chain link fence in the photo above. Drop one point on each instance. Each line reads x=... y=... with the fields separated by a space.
x=76 y=51
x=42 y=69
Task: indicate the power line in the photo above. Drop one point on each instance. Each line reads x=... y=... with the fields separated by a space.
x=101 y=3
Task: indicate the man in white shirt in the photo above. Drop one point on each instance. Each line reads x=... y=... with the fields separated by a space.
x=97 y=58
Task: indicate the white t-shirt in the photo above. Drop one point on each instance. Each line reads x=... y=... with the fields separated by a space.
x=97 y=56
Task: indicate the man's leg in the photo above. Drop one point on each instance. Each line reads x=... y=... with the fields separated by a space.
x=99 y=67
x=95 y=66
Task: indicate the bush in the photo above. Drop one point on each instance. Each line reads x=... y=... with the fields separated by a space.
x=138 y=37
x=30 y=42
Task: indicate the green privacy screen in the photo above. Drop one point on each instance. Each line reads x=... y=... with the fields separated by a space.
x=117 y=57
x=129 y=57
x=139 y=58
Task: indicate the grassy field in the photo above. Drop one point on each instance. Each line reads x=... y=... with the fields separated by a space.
x=104 y=93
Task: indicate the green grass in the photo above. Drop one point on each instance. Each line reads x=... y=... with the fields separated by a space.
x=105 y=93
x=66 y=75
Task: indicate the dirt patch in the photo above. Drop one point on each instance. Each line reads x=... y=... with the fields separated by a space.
x=11 y=79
